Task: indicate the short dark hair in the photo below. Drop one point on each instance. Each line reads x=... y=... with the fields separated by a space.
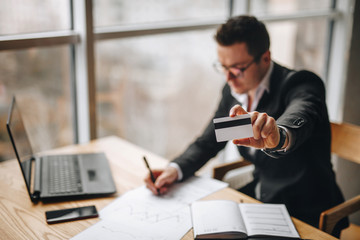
x=245 y=29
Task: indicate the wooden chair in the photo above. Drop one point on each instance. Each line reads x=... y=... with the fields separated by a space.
x=220 y=170
x=346 y=145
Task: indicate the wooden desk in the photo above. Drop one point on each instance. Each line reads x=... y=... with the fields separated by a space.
x=21 y=219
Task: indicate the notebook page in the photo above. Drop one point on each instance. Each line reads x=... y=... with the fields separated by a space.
x=268 y=220
x=216 y=216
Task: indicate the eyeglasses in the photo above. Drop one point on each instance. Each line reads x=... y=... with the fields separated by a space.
x=235 y=71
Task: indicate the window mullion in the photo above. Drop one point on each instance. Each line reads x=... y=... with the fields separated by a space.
x=85 y=71
x=45 y=39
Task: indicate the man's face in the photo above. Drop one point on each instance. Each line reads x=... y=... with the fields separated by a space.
x=237 y=56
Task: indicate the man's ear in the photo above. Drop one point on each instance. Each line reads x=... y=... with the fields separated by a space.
x=267 y=57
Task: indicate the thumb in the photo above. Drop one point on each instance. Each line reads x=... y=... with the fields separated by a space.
x=243 y=141
x=237 y=110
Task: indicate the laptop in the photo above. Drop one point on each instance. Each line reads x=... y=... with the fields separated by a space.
x=58 y=177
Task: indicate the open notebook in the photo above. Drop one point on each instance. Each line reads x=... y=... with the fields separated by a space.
x=223 y=219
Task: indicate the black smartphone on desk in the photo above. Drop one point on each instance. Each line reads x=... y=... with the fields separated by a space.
x=70 y=214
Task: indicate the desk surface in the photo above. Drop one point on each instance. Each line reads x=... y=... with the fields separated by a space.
x=21 y=219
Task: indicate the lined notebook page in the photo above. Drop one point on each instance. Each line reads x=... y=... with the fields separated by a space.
x=267 y=219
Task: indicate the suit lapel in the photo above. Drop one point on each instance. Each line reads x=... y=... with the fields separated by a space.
x=263 y=102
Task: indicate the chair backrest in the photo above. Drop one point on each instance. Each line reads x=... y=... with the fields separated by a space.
x=345 y=143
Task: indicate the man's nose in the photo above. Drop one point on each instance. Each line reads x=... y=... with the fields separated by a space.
x=230 y=76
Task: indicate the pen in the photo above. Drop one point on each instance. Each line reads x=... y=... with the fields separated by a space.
x=151 y=173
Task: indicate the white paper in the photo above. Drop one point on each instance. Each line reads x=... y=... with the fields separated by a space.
x=139 y=214
x=140 y=223
x=269 y=219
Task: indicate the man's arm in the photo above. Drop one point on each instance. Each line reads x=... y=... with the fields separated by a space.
x=303 y=96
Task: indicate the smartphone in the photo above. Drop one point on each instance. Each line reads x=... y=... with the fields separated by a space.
x=70 y=214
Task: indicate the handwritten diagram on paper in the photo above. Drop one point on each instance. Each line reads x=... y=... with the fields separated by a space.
x=150 y=216
x=141 y=215
x=139 y=226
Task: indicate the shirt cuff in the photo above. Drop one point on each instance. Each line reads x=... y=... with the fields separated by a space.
x=178 y=169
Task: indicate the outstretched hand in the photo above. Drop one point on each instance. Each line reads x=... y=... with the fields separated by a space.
x=266 y=132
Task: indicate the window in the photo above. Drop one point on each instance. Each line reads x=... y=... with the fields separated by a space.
x=154 y=83
x=22 y=16
x=123 y=12
x=300 y=44
x=40 y=80
x=271 y=7
x=157 y=91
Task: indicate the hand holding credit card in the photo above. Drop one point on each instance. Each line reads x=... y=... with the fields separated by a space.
x=229 y=128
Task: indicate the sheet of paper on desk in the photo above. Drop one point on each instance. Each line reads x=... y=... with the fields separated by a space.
x=139 y=214
x=229 y=128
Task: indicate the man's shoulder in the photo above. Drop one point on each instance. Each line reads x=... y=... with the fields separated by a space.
x=304 y=77
x=280 y=71
x=289 y=74
x=294 y=77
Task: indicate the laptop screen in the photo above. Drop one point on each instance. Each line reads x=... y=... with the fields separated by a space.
x=20 y=141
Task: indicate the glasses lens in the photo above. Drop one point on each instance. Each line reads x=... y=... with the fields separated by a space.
x=234 y=71
x=218 y=67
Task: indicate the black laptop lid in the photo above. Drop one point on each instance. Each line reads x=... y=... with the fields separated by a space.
x=20 y=141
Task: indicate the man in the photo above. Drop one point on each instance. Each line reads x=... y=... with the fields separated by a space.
x=291 y=144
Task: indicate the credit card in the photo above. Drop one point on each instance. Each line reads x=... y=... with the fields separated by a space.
x=229 y=128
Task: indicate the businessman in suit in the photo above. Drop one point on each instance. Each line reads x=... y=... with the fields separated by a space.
x=291 y=145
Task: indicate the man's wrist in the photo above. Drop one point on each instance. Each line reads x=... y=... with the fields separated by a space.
x=283 y=142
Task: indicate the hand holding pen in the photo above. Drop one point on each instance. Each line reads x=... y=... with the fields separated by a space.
x=159 y=181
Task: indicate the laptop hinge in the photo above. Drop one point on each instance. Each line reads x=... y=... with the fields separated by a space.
x=37 y=180
x=35 y=197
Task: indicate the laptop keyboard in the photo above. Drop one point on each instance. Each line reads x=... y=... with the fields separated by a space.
x=65 y=175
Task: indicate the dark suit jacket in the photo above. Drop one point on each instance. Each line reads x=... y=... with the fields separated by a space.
x=302 y=178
